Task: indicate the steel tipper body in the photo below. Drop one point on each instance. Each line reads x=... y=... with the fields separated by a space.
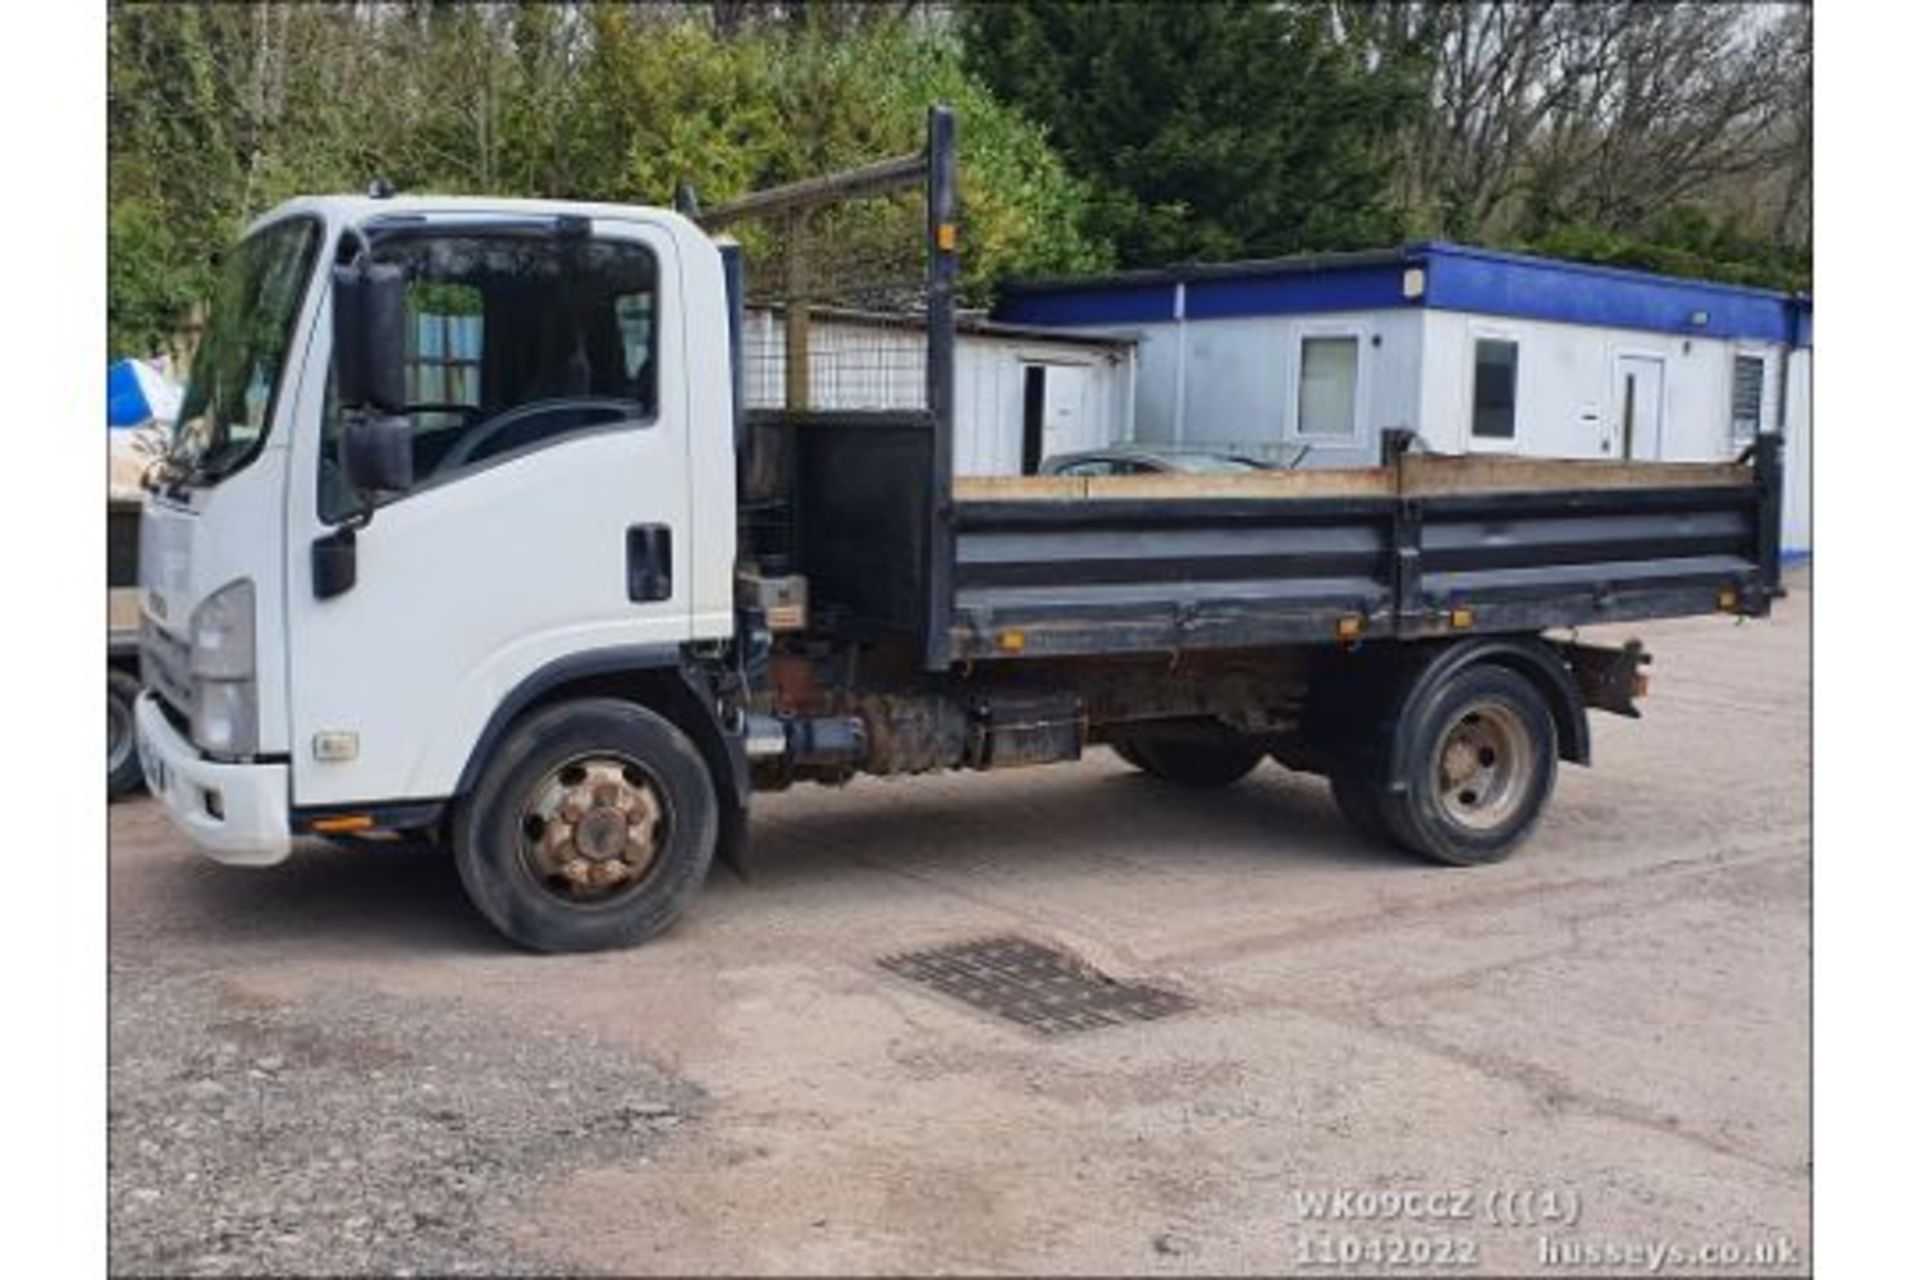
x=1417 y=547
x=468 y=536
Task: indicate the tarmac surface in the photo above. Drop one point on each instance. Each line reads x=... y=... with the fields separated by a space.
x=1603 y=1044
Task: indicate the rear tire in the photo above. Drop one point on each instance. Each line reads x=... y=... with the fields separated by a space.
x=590 y=828
x=1481 y=752
x=123 y=761
x=1189 y=760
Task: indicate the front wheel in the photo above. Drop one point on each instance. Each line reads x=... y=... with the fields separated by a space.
x=590 y=828
x=1481 y=752
x=123 y=762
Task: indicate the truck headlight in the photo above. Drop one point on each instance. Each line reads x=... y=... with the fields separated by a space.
x=224 y=719
x=222 y=634
x=221 y=661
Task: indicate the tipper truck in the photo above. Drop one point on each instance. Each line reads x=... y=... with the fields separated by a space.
x=469 y=535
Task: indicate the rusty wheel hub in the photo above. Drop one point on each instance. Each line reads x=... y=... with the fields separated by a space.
x=1484 y=766
x=591 y=829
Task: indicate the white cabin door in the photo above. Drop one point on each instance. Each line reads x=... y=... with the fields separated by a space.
x=1639 y=393
x=1058 y=418
x=1067 y=422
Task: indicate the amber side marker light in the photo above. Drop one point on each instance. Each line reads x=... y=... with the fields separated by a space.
x=1729 y=599
x=1461 y=619
x=1350 y=627
x=344 y=822
x=1012 y=641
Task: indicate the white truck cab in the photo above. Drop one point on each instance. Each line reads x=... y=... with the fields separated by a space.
x=568 y=402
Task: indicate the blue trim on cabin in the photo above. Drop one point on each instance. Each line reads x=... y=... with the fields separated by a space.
x=1296 y=293
x=1489 y=282
x=1458 y=278
x=1095 y=303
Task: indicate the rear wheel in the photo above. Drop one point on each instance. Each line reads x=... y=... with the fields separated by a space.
x=123 y=762
x=590 y=828
x=1189 y=760
x=1481 y=752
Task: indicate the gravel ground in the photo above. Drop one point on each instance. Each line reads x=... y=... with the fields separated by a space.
x=350 y=1134
x=334 y=1066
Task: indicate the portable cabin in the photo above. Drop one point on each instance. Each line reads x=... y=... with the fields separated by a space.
x=1305 y=360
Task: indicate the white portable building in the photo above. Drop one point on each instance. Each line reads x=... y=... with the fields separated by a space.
x=1306 y=360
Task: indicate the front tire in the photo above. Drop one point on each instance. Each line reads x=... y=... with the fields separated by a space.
x=1481 y=752
x=123 y=761
x=590 y=828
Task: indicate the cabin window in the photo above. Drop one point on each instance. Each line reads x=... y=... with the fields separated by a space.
x=1496 y=376
x=634 y=313
x=1329 y=387
x=443 y=356
x=515 y=343
x=1749 y=380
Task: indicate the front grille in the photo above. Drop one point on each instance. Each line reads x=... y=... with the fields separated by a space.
x=163 y=669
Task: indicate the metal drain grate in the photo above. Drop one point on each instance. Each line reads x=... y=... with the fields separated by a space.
x=1044 y=990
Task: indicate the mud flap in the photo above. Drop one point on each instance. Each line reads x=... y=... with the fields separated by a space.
x=1609 y=679
x=731 y=847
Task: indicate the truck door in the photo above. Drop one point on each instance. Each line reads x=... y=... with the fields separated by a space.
x=548 y=515
x=1640 y=391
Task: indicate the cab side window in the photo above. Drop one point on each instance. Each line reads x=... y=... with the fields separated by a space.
x=515 y=342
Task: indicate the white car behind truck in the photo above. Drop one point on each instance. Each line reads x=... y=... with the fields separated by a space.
x=466 y=536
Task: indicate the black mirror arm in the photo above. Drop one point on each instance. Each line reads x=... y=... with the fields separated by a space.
x=360 y=519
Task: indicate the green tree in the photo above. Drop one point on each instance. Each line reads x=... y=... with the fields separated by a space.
x=1686 y=241
x=1672 y=136
x=219 y=112
x=1209 y=131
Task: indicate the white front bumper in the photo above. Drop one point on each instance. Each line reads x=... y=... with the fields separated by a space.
x=235 y=813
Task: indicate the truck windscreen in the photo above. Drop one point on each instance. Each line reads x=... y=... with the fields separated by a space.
x=236 y=371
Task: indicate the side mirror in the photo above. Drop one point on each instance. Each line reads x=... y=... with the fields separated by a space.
x=376 y=453
x=370 y=336
x=376 y=457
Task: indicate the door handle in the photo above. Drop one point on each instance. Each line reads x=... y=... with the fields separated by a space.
x=649 y=562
